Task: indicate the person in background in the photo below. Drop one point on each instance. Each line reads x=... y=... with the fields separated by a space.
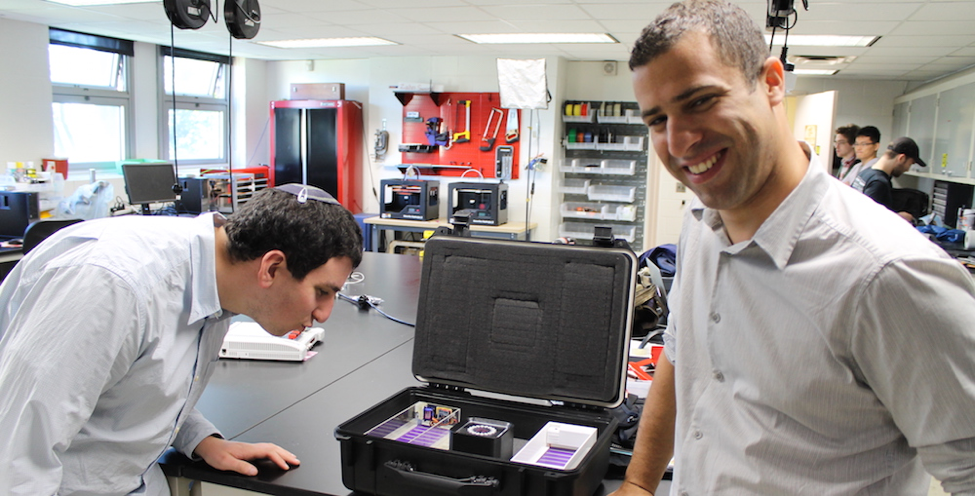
x=111 y=328
x=845 y=154
x=817 y=344
x=865 y=145
x=875 y=181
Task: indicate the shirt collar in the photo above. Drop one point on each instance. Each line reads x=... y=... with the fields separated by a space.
x=778 y=235
x=203 y=265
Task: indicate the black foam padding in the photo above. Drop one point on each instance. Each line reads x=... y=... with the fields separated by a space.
x=527 y=319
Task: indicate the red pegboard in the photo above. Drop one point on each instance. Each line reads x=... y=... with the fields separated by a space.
x=453 y=113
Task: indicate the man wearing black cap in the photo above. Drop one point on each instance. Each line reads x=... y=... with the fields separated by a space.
x=875 y=181
x=111 y=328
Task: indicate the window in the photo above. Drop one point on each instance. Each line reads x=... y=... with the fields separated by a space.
x=200 y=107
x=90 y=101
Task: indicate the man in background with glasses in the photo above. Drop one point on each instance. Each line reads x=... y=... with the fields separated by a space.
x=866 y=145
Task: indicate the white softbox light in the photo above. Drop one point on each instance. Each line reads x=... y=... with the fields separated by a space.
x=523 y=83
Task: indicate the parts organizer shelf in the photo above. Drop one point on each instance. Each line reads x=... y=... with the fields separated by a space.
x=468 y=121
x=605 y=170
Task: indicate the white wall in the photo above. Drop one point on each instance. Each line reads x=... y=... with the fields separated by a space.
x=861 y=102
x=145 y=102
x=26 y=123
x=368 y=81
x=813 y=123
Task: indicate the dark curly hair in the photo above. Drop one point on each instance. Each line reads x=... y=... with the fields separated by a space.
x=734 y=35
x=309 y=234
x=849 y=132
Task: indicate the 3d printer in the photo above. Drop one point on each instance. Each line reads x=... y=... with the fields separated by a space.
x=487 y=201
x=412 y=199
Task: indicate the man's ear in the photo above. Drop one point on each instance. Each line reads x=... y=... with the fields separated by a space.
x=773 y=79
x=270 y=267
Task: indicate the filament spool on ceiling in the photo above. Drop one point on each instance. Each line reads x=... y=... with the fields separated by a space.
x=187 y=14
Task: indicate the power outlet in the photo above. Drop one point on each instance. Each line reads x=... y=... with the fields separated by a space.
x=681 y=188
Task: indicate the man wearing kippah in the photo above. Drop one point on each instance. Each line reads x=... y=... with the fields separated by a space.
x=875 y=181
x=110 y=330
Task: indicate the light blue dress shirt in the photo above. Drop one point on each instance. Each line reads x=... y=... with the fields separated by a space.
x=108 y=334
x=831 y=354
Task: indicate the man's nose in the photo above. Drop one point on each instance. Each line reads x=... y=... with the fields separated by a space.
x=323 y=311
x=682 y=135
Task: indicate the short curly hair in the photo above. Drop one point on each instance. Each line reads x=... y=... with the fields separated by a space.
x=309 y=234
x=734 y=35
x=849 y=132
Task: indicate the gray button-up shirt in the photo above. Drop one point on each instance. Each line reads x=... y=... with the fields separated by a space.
x=822 y=356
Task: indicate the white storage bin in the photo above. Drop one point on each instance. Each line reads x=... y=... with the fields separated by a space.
x=612 y=119
x=624 y=213
x=623 y=232
x=581 y=146
x=576 y=230
x=618 y=167
x=602 y=192
x=583 y=166
x=579 y=118
x=633 y=143
x=581 y=230
x=575 y=186
x=612 y=147
x=581 y=210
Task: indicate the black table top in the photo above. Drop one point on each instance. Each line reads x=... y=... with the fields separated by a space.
x=243 y=393
x=363 y=359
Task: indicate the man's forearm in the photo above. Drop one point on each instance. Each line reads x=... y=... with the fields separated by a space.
x=655 y=436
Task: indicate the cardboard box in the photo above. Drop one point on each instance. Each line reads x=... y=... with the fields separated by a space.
x=56 y=165
x=317 y=91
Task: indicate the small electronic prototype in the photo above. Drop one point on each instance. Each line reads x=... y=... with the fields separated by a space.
x=248 y=340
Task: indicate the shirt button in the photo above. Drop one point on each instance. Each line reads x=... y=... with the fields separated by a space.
x=718 y=376
x=715 y=317
x=698 y=434
x=176 y=431
x=197 y=378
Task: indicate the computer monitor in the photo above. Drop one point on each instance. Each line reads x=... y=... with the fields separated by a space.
x=149 y=183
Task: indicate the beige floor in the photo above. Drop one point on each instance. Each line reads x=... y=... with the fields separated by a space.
x=936 y=489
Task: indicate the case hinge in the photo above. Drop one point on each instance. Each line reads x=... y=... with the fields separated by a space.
x=578 y=406
x=447 y=387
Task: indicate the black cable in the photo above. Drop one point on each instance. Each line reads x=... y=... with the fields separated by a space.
x=230 y=106
x=172 y=60
x=364 y=303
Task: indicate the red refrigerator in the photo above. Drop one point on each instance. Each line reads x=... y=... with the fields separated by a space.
x=319 y=142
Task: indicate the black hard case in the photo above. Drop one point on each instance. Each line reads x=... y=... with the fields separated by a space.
x=530 y=320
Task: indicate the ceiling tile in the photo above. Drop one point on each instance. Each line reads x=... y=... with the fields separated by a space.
x=938 y=11
x=536 y=12
x=936 y=34
x=943 y=27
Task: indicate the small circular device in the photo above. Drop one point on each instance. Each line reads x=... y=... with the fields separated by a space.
x=482 y=430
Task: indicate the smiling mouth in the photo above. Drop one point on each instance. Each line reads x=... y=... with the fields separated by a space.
x=702 y=167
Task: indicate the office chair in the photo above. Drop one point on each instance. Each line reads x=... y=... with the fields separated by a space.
x=40 y=230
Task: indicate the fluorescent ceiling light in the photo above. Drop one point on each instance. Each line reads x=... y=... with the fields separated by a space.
x=521 y=38
x=815 y=72
x=88 y=3
x=329 y=42
x=824 y=40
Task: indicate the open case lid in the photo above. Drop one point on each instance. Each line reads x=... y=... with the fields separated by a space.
x=525 y=319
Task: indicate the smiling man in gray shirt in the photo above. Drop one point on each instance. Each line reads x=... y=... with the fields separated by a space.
x=817 y=344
